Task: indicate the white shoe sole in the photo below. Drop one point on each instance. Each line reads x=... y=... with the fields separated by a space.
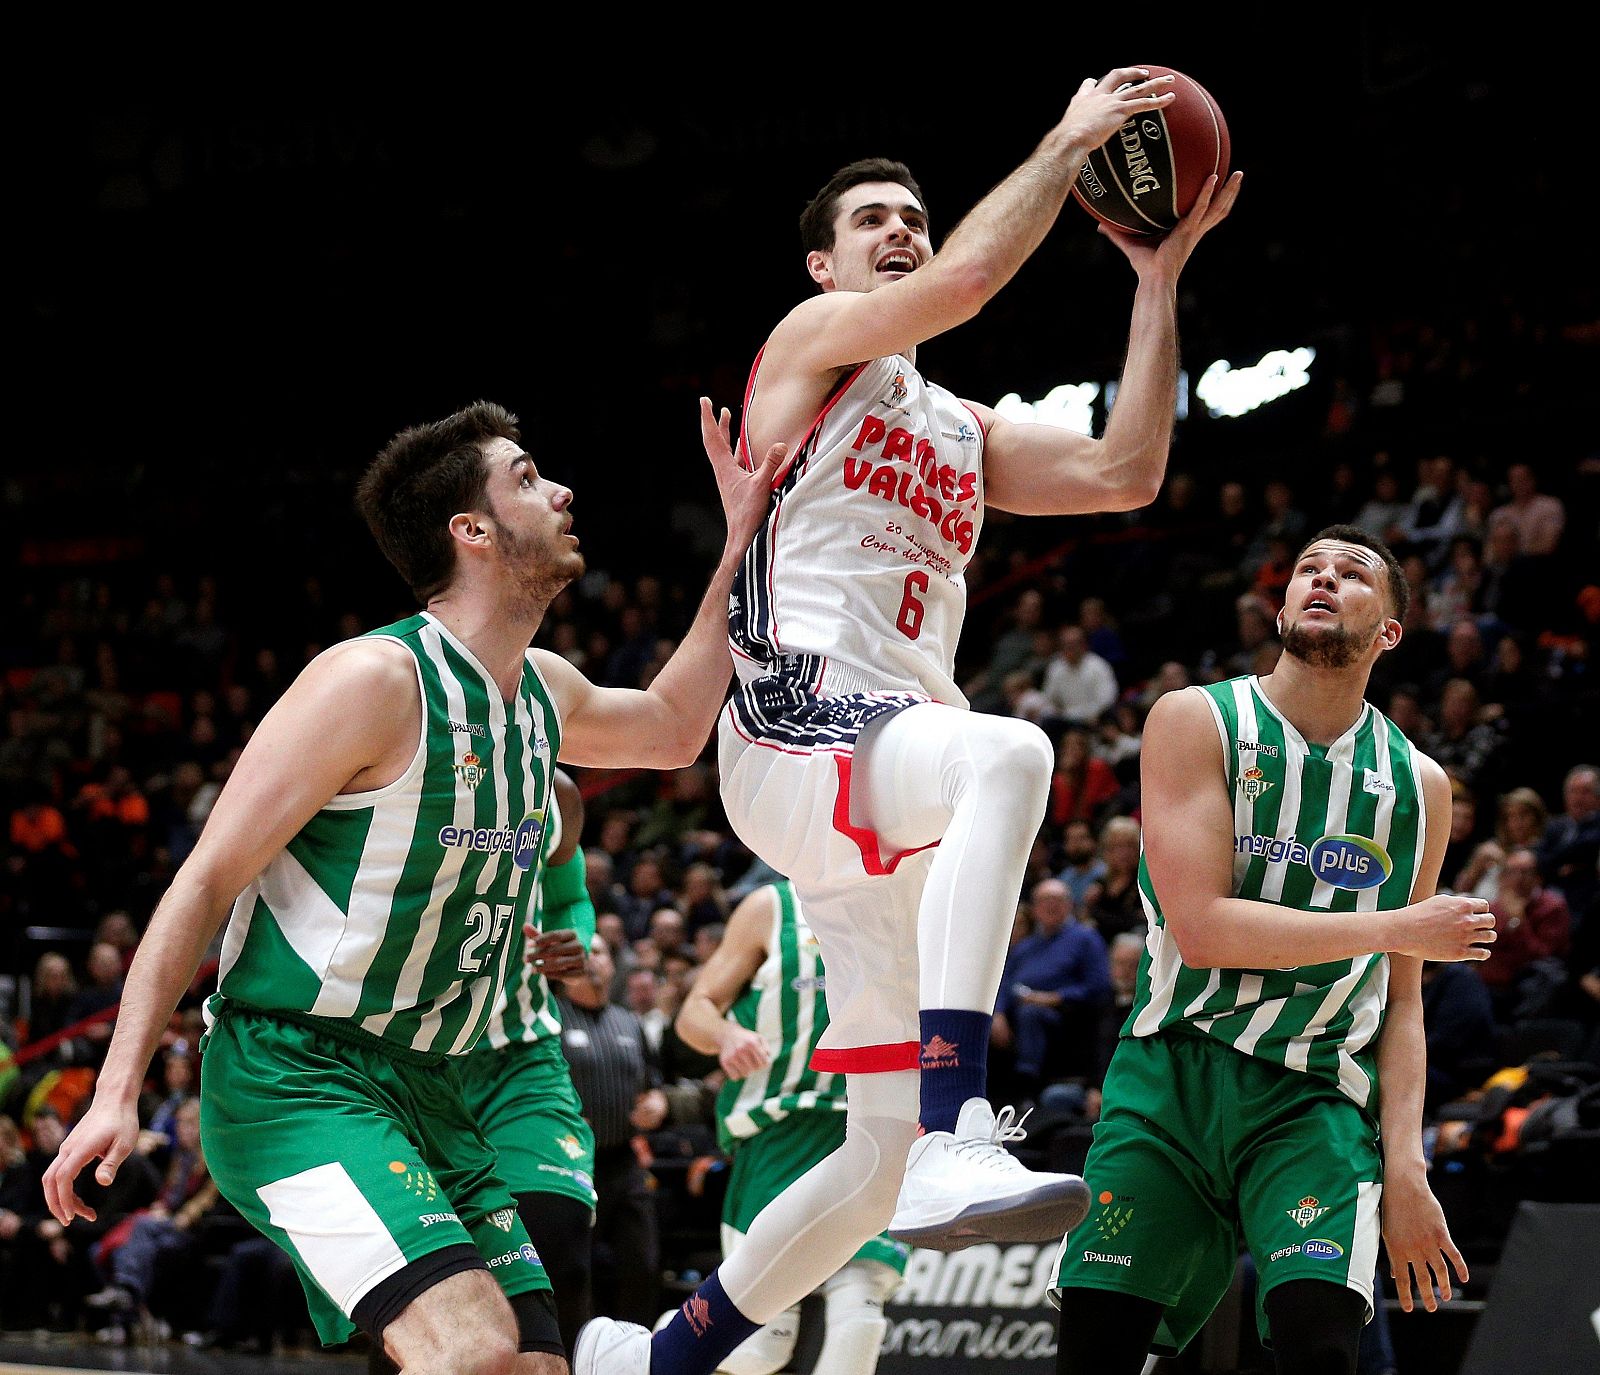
x=1047 y=1213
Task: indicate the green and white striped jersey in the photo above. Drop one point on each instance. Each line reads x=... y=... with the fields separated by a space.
x=785 y=1003
x=388 y=913
x=1332 y=828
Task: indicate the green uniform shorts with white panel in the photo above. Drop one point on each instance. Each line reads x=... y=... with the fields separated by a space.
x=522 y=1099
x=768 y=1163
x=1202 y=1151
x=357 y=1158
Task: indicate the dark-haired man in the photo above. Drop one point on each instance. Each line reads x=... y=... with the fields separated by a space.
x=377 y=842
x=1292 y=844
x=848 y=760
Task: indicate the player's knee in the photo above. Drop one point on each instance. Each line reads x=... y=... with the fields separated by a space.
x=489 y=1349
x=767 y=1350
x=861 y=1286
x=1019 y=753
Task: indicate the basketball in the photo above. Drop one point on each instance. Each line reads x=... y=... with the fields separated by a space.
x=1147 y=175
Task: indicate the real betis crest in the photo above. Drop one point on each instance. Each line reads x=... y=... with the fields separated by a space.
x=1308 y=1211
x=1254 y=784
x=471 y=770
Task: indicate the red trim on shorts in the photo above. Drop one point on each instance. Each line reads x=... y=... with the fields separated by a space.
x=866 y=840
x=866 y=1059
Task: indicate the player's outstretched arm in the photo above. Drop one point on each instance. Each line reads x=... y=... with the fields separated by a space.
x=1189 y=849
x=702 y=1021
x=982 y=253
x=1415 y=1233
x=308 y=748
x=665 y=726
x=1041 y=470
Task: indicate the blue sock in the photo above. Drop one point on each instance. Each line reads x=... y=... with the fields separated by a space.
x=954 y=1063
x=704 y=1330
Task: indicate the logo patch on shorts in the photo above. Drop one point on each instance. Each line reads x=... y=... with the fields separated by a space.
x=1308 y=1211
x=1320 y=1248
x=503 y=1218
x=418 y=1179
x=1116 y=1214
x=571 y=1146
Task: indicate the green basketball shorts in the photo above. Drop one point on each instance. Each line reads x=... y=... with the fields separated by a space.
x=769 y=1162
x=355 y=1160
x=1202 y=1151
x=523 y=1101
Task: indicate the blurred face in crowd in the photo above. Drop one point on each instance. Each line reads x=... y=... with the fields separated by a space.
x=1030 y=609
x=706 y=941
x=1524 y=821
x=610 y=929
x=1458 y=709
x=1079 y=842
x=1520 y=479
x=1125 y=964
x=1073 y=645
x=1581 y=793
x=1521 y=873
x=1463 y=817
x=1052 y=905
x=188 y=1125
x=52 y=976
x=1073 y=752
x=645 y=881
x=667 y=929
x=642 y=990
x=105 y=964
x=1119 y=846
x=1466 y=645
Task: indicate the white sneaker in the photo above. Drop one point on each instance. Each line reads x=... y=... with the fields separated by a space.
x=964 y=1187
x=608 y=1347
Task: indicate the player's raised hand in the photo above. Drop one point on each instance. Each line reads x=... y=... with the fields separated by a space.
x=1446 y=927
x=1171 y=251
x=108 y=1133
x=1417 y=1238
x=1102 y=107
x=743 y=1053
x=746 y=495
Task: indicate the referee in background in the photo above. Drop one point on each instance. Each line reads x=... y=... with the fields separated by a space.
x=620 y=1087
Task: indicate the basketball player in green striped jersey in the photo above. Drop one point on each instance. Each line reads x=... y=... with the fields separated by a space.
x=377 y=843
x=758 y=1005
x=1267 y=1086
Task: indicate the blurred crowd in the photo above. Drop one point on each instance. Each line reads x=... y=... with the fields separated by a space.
x=126 y=696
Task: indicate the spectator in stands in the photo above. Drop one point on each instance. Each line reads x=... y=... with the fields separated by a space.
x=129 y=1255
x=1468 y=856
x=641 y=995
x=647 y=894
x=1081 y=866
x=1056 y=982
x=1571 y=844
x=1101 y=631
x=99 y=995
x=1014 y=650
x=1082 y=784
x=54 y=988
x=1252 y=630
x=1385 y=511
x=600 y=880
x=1459 y=1025
x=1113 y=904
x=1127 y=947
x=669 y=933
x=1464 y=745
x=1457 y=592
x=1405 y=710
x=1078 y=683
x=702 y=899
x=687 y=804
x=1283 y=524
x=1465 y=657
x=117 y=929
x=1172 y=676
x=619 y=1085
x=1434 y=517
x=1539 y=519
x=705 y=940
x=21 y=1206
x=1533 y=930
x=1117 y=736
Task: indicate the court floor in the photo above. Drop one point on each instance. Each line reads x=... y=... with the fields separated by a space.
x=56 y=1355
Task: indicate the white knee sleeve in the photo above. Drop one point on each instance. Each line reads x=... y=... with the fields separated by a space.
x=767 y=1350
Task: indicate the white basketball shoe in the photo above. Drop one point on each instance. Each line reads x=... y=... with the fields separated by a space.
x=965 y=1187
x=608 y=1347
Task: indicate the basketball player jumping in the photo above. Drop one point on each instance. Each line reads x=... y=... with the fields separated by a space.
x=1292 y=843
x=382 y=834
x=848 y=760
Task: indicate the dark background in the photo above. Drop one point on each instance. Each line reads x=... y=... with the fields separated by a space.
x=242 y=273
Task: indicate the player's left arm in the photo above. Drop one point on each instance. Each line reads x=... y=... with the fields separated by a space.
x=1415 y=1233
x=1040 y=470
x=665 y=725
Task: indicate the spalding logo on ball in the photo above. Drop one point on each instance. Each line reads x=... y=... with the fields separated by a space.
x=1147 y=176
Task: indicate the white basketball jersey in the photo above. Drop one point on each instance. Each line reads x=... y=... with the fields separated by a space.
x=859 y=572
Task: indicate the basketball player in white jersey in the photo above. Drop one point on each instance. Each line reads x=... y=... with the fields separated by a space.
x=848 y=759
x=402 y=779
